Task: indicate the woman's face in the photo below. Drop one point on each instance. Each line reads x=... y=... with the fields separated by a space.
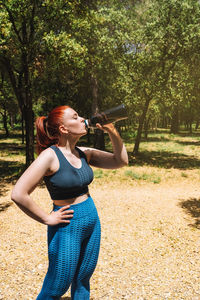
x=74 y=124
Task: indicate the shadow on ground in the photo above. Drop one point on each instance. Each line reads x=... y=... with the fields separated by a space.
x=11 y=148
x=3 y=188
x=164 y=159
x=192 y=208
x=188 y=143
x=9 y=172
x=4 y=206
x=14 y=134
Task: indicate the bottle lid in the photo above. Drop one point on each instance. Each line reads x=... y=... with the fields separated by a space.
x=86 y=124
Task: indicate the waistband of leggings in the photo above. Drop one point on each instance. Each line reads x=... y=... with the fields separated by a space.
x=81 y=209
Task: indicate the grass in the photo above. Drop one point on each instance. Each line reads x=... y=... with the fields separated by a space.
x=98 y=173
x=143 y=176
x=163 y=157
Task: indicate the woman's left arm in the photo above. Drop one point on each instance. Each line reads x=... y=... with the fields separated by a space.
x=107 y=160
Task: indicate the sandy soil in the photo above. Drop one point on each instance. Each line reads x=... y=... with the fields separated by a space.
x=149 y=250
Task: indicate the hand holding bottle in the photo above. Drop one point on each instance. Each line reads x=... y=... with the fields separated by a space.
x=107 y=127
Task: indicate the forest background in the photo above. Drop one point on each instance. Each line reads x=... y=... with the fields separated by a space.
x=93 y=55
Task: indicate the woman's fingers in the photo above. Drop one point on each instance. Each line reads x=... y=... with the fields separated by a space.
x=64 y=207
x=105 y=127
x=98 y=125
x=65 y=213
x=64 y=210
x=65 y=221
x=61 y=216
x=66 y=216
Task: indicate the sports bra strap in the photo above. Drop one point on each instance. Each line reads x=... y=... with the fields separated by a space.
x=60 y=154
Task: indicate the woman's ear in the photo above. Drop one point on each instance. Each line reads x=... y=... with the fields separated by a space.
x=63 y=129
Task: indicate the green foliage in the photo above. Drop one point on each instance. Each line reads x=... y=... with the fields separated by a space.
x=142 y=53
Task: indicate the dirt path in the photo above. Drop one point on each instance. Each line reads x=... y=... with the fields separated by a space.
x=150 y=244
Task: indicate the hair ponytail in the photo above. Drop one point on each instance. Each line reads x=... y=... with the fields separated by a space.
x=43 y=140
x=48 y=128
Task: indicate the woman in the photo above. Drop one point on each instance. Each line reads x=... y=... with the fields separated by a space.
x=73 y=225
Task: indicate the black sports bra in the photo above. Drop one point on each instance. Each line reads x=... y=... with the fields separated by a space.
x=69 y=182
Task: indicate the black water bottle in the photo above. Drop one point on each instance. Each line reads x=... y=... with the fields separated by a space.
x=108 y=116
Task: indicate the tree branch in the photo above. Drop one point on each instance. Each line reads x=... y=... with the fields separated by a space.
x=32 y=28
x=13 y=23
x=12 y=78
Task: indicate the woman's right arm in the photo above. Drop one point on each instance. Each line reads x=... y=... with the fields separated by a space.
x=28 y=182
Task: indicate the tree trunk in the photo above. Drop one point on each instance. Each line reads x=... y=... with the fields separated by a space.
x=190 y=126
x=88 y=136
x=146 y=127
x=99 y=142
x=141 y=122
x=186 y=125
x=197 y=124
x=175 y=121
x=5 y=124
x=29 y=128
x=11 y=121
x=95 y=104
x=22 y=128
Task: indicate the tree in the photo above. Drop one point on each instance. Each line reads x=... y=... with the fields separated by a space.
x=18 y=49
x=26 y=30
x=161 y=39
x=8 y=105
x=88 y=61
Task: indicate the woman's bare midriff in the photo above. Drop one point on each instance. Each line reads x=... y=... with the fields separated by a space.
x=71 y=201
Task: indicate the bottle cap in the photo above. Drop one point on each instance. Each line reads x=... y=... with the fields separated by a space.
x=86 y=124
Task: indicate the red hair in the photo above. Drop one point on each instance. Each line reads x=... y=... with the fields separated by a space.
x=48 y=128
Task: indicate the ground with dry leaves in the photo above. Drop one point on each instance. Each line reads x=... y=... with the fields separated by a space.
x=149 y=250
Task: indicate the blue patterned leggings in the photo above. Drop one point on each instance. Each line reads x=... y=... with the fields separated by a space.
x=73 y=251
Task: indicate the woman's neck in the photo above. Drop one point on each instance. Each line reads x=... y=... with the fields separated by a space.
x=67 y=144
